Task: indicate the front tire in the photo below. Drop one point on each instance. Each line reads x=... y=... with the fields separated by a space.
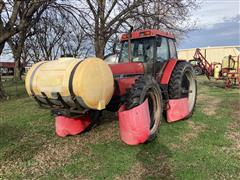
x=147 y=88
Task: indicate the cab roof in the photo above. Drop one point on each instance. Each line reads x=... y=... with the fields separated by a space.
x=146 y=33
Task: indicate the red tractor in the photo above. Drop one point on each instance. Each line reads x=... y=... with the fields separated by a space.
x=147 y=69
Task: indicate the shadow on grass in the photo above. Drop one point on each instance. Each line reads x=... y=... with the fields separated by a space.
x=152 y=156
x=154 y=159
x=107 y=117
x=9 y=135
x=20 y=145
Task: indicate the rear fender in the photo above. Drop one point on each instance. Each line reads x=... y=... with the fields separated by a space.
x=176 y=109
x=167 y=72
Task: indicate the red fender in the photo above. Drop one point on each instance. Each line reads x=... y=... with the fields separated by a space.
x=71 y=126
x=178 y=108
x=134 y=124
x=168 y=71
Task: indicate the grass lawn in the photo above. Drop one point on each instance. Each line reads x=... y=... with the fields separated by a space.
x=206 y=146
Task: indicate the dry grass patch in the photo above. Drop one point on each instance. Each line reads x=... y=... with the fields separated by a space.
x=162 y=170
x=211 y=106
x=202 y=98
x=233 y=132
x=196 y=129
x=57 y=152
x=136 y=172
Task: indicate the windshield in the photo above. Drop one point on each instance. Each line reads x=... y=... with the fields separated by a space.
x=141 y=50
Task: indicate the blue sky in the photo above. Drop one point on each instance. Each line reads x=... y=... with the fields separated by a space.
x=218 y=24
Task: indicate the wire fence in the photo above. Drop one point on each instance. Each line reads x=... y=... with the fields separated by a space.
x=13 y=88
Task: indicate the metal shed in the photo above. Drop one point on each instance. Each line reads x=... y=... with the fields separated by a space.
x=212 y=54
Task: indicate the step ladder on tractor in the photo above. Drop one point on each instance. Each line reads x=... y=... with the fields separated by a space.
x=228 y=70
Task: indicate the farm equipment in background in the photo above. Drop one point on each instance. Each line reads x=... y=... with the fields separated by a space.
x=147 y=82
x=197 y=69
x=228 y=70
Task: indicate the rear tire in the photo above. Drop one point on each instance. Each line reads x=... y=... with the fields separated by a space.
x=183 y=84
x=146 y=87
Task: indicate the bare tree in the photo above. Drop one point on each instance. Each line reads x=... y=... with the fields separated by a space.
x=75 y=42
x=17 y=16
x=57 y=33
x=173 y=16
x=101 y=20
x=16 y=44
x=104 y=18
x=50 y=30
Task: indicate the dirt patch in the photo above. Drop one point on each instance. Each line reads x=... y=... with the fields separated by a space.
x=196 y=129
x=136 y=172
x=202 y=98
x=233 y=132
x=211 y=106
x=161 y=170
x=209 y=103
x=57 y=152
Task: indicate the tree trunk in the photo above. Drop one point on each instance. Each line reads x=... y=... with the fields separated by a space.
x=100 y=41
x=17 y=50
x=1 y=47
x=99 y=49
x=3 y=95
x=2 y=92
x=17 y=70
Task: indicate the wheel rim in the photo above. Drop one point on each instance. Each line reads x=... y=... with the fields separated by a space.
x=190 y=87
x=154 y=111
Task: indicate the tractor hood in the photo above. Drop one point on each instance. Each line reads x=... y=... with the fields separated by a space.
x=130 y=68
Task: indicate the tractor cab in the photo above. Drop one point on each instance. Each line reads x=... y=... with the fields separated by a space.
x=151 y=47
x=148 y=45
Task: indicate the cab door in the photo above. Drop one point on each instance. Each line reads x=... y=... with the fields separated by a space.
x=162 y=55
x=172 y=48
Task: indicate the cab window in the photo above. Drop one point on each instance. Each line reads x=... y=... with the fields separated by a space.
x=172 y=47
x=142 y=50
x=162 y=50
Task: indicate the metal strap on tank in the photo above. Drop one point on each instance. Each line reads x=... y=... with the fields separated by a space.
x=47 y=99
x=70 y=85
x=40 y=103
x=65 y=105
